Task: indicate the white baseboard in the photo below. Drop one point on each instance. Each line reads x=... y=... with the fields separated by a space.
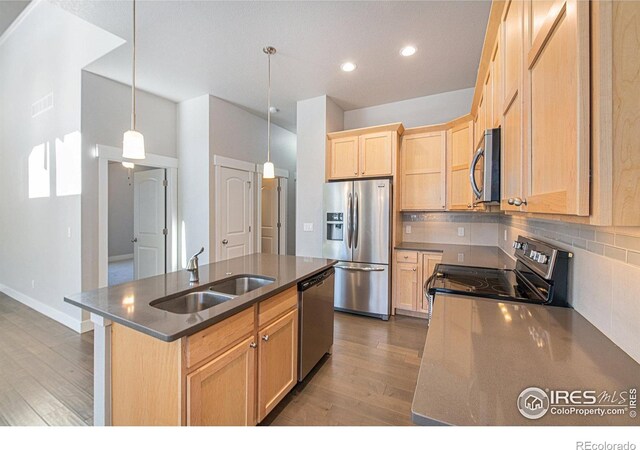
x=120 y=257
x=79 y=326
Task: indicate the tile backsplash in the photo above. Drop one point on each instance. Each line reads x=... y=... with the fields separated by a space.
x=604 y=278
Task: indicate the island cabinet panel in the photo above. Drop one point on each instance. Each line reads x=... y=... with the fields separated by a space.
x=277 y=305
x=278 y=361
x=219 y=337
x=558 y=97
x=146 y=379
x=222 y=392
x=343 y=157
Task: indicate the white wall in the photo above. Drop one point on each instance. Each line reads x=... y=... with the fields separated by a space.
x=414 y=112
x=315 y=118
x=193 y=178
x=40 y=248
x=120 y=210
x=106 y=115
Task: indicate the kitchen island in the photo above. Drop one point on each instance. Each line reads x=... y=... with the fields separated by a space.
x=229 y=363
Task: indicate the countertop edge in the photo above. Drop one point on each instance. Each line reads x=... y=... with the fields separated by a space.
x=205 y=324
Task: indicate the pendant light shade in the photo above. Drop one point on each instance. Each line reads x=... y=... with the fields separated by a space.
x=268 y=170
x=133 y=141
x=133 y=145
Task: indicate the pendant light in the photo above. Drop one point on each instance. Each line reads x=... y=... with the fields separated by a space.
x=268 y=170
x=133 y=142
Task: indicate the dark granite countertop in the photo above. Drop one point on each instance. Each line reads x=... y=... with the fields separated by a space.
x=480 y=354
x=128 y=303
x=464 y=255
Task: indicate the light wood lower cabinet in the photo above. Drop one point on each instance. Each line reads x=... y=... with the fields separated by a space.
x=232 y=373
x=222 y=392
x=409 y=279
x=278 y=364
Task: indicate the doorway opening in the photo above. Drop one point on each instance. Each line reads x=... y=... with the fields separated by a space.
x=137 y=222
x=273 y=201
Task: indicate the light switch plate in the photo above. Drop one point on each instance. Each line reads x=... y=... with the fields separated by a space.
x=460 y=257
x=407 y=229
x=460 y=231
x=308 y=226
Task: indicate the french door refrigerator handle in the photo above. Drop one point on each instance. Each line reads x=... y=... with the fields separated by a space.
x=361 y=269
x=349 y=219
x=356 y=221
x=476 y=190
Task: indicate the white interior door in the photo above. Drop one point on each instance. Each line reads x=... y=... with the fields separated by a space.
x=235 y=213
x=269 y=215
x=149 y=217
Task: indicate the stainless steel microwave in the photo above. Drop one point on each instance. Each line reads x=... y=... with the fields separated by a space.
x=484 y=173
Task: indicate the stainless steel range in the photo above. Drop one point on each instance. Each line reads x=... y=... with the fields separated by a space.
x=540 y=276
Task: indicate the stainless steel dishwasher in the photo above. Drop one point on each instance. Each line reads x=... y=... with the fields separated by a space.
x=315 y=298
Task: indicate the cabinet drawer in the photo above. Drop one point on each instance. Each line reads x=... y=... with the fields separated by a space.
x=407 y=256
x=218 y=337
x=277 y=305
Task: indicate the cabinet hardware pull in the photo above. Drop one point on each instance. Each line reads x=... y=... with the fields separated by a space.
x=265 y=337
x=511 y=201
x=253 y=345
x=414 y=269
x=518 y=201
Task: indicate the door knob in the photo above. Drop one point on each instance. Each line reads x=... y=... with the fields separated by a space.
x=225 y=241
x=134 y=240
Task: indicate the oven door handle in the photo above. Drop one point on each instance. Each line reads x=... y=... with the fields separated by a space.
x=472 y=176
x=429 y=297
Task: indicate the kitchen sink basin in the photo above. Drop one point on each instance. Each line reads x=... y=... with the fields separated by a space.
x=192 y=302
x=240 y=284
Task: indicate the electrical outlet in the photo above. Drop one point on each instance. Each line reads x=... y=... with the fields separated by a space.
x=33 y=284
x=69 y=232
x=461 y=231
x=407 y=229
x=308 y=226
x=460 y=257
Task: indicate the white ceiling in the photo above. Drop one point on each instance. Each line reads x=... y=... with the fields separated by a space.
x=189 y=48
x=9 y=11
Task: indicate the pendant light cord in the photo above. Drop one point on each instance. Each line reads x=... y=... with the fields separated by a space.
x=133 y=77
x=269 y=111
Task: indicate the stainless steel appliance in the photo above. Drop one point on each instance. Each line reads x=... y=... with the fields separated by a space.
x=356 y=232
x=540 y=276
x=315 y=307
x=484 y=173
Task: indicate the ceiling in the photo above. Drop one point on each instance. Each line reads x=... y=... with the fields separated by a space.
x=189 y=48
x=9 y=11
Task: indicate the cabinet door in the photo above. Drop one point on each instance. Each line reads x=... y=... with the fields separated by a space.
x=406 y=282
x=222 y=392
x=496 y=90
x=376 y=150
x=278 y=361
x=343 y=157
x=429 y=262
x=558 y=103
x=480 y=124
x=512 y=120
x=459 y=154
x=423 y=165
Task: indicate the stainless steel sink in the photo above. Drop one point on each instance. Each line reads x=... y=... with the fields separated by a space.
x=240 y=284
x=192 y=303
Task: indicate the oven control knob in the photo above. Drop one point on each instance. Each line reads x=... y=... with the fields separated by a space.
x=517 y=245
x=542 y=258
x=533 y=255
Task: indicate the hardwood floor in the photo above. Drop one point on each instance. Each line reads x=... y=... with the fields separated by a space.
x=46 y=373
x=369 y=379
x=46 y=369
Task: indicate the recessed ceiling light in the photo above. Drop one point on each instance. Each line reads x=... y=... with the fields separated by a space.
x=408 y=51
x=348 y=67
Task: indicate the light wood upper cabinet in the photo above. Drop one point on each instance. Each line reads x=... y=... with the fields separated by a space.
x=479 y=124
x=344 y=155
x=278 y=364
x=512 y=118
x=459 y=154
x=557 y=61
x=495 y=119
x=376 y=150
x=365 y=152
x=422 y=170
x=222 y=392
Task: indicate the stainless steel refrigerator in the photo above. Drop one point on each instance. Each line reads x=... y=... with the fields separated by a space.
x=356 y=232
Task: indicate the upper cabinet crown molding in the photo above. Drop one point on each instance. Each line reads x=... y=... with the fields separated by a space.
x=397 y=127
